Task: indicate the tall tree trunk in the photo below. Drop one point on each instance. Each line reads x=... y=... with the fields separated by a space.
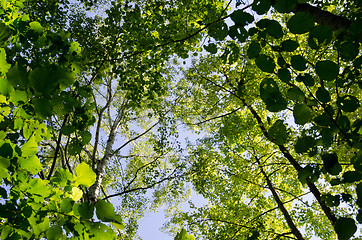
x=323 y=17
x=280 y=204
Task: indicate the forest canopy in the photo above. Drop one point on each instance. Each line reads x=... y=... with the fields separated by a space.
x=97 y=97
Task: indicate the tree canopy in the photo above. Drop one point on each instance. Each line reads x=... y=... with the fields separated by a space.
x=94 y=93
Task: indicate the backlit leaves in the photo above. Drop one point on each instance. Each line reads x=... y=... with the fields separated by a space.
x=85 y=175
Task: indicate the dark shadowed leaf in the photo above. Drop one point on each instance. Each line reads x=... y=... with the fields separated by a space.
x=285 y=6
x=300 y=23
x=298 y=62
x=302 y=114
x=241 y=18
x=253 y=50
x=331 y=164
x=284 y=75
x=278 y=133
x=295 y=94
x=303 y=144
x=289 y=45
x=261 y=6
x=265 y=63
x=323 y=95
x=327 y=70
x=345 y=228
x=348 y=103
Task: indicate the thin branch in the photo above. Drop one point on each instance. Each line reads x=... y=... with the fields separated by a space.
x=134 y=139
x=169 y=177
x=57 y=147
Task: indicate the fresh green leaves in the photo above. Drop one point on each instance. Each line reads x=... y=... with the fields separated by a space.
x=85 y=175
x=184 y=235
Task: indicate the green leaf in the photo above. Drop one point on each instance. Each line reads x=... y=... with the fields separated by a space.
x=75 y=147
x=285 y=6
x=274 y=29
x=261 y=6
x=330 y=200
x=271 y=96
x=352 y=176
x=105 y=211
x=302 y=114
x=29 y=148
x=357 y=162
x=284 y=75
x=319 y=35
x=31 y=164
x=349 y=51
x=5 y=87
x=304 y=144
x=85 y=175
x=295 y=94
x=345 y=228
x=265 y=63
x=183 y=235
x=323 y=95
x=43 y=107
x=5 y=34
x=76 y=194
x=348 y=103
x=86 y=210
x=344 y=123
x=36 y=26
x=331 y=164
x=6 y=151
x=298 y=62
x=18 y=77
x=327 y=70
x=67 y=130
x=54 y=233
x=211 y=48
x=289 y=45
x=18 y=96
x=43 y=80
x=241 y=18
x=86 y=137
x=300 y=23
x=4 y=66
x=253 y=50
x=322 y=120
x=218 y=31
x=307 y=79
x=278 y=133
x=66 y=205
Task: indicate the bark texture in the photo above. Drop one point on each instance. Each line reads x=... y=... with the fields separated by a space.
x=323 y=17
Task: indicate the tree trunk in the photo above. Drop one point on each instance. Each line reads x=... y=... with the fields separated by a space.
x=324 y=17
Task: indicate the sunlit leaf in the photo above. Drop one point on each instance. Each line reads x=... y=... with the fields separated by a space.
x=85 y=175
x=76 y=194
